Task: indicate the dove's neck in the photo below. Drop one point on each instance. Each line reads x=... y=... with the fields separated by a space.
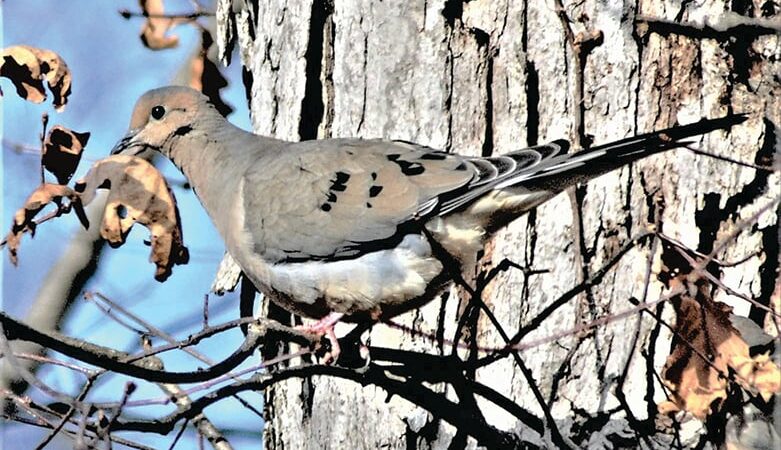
x=214 y=158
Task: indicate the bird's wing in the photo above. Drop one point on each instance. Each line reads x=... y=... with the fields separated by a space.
x=341 y=198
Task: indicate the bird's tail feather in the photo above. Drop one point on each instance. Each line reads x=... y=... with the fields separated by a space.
x=561 y=170
x=549 y=168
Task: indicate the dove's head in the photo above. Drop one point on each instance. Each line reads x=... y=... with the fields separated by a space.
x=161 y=117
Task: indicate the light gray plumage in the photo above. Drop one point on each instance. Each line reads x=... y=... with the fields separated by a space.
x=346 y=225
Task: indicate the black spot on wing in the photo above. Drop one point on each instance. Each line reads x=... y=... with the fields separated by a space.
x=407 y=168
x=340 y=183
x=325 y=207
x=375 y=191
x=410 y=168
x=342 y=177
x=374 y=176
x=331 y=197
x=434 y=156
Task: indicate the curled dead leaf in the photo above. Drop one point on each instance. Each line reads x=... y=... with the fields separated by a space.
x=138 y=194
x=26 y=67
x=205 y=76
x=154 y=30
x=57 y=74
x=62 y=152
x=41 y=196
x=708 y=352
x=23 y=68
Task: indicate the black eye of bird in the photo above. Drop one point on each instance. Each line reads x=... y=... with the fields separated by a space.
x=158 y=112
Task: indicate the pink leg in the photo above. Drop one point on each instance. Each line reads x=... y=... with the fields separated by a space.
x=326 y=326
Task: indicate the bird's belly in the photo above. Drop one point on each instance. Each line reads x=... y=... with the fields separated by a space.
x=372 y=283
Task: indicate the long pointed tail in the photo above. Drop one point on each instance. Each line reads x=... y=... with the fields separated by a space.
x=549 y=168
x=558 y=171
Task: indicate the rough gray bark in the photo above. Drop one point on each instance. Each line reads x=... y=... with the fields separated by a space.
x=485 y=77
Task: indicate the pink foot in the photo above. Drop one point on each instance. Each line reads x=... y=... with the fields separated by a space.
x=325 y=326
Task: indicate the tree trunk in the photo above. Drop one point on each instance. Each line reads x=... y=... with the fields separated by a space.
x=485 y=77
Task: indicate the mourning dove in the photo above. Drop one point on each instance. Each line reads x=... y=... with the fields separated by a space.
x=360 y=228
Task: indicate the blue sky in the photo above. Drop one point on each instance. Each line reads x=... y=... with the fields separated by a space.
x=111 y=69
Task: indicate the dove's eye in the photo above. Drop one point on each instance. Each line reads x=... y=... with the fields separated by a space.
x=158 y=112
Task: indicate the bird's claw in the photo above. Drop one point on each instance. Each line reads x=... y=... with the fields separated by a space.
x=332 y=356
x=325 y=327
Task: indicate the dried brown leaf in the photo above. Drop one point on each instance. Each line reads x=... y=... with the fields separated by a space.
x=154 y=30
x=26 y=67
x=703 y=328
x=58 y=76
x=62 y=152
x=41 y=196
x=23 y=68
x=138 y=193
x=206 y=77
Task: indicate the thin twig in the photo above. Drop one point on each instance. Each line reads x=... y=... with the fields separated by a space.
x=205 y=311
x=56 y=362
x=26 y=375
x=69 y=433
x=66 y=418
x=214 y=381
x=179 y=434
x=699 y=269
x=108 y=312
x=543 y=340
x=191 y=340
x=562 y=300
x=730 y=160
x=127 y=14
x=374 y=375
x=708 y=361
x=130 y=387
x=44 y=124
x=581 y=44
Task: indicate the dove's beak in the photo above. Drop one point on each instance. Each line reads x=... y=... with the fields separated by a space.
x=129 y=145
